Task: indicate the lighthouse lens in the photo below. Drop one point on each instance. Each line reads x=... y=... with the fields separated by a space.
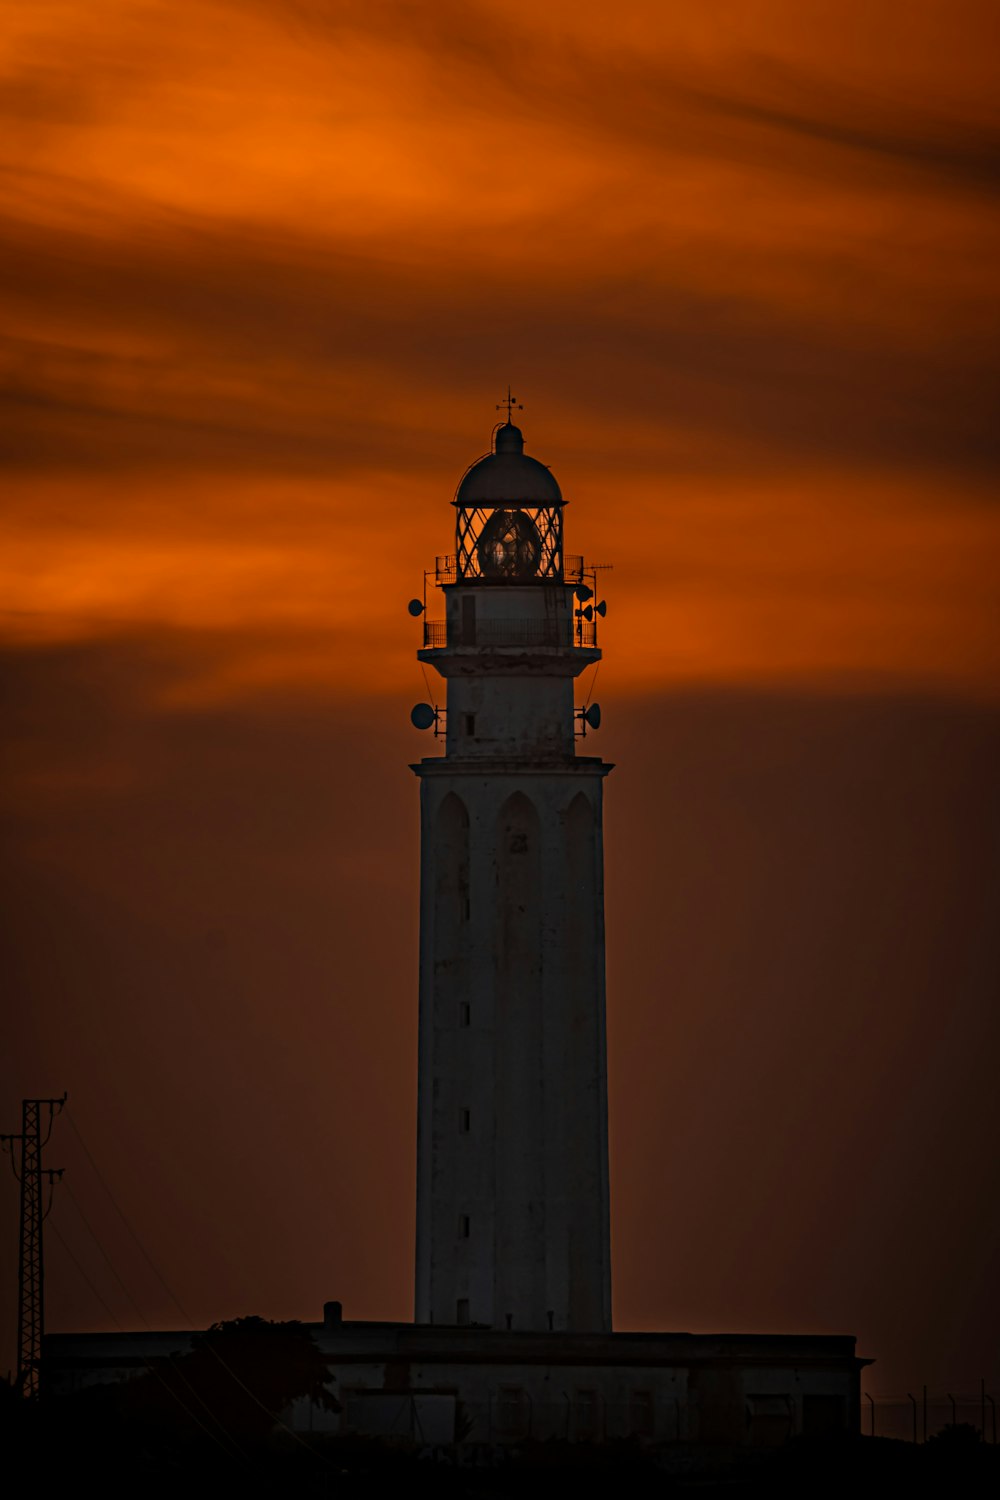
x=509 y=546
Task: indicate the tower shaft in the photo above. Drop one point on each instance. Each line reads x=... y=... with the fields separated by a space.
x=512 y=1135
x=512 y=1186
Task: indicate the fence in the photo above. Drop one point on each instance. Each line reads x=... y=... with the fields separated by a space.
x=920 y=1414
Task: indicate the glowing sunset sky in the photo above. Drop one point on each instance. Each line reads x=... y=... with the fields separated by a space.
x=265 y=272
x=265 y=269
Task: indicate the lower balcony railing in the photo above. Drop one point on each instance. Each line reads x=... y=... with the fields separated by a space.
x=446 y=570
x=582 y=634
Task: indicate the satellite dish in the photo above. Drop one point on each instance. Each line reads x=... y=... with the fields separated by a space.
x=415 y=607
x=422 y=716
x=583 y=591
x=593 y=716
x=588 y=613
x=602 y=608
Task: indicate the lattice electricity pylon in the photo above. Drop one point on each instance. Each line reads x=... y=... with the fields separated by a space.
x=31 y=1265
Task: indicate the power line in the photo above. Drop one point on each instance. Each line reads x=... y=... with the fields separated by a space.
x=121 y=1214
x=152 y=1369
x=145 y=1322
x=178 y=1304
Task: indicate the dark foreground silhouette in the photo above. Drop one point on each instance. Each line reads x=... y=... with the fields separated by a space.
x=210 y=1422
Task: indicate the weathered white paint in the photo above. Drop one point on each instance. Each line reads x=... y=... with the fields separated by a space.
x=512 y=1172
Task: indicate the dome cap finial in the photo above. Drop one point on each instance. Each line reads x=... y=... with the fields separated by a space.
x=511 y=403
x=506 y=476
x=509 y=439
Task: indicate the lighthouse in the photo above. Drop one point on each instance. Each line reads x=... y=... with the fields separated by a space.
x=512 y=1336
x=512 y=1140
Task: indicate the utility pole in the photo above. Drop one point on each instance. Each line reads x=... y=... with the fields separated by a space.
x=28 y=1169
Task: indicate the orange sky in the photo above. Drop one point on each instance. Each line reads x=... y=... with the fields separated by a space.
x=265 y=269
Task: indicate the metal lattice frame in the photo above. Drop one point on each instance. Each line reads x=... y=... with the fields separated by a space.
x=547 y=521
x=30 y=1300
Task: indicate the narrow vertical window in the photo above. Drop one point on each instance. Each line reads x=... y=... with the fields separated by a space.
x=511 y=1409
x=464 y=1226
x=640 y=1419
x=464 y=1121
x=464 y=1013
x=462 y=1311
x=585 y=1413
x=470 y=724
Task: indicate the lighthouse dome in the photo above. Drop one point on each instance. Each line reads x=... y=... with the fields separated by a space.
x=507 y=476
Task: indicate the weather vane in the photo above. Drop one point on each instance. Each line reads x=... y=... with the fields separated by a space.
x=511 y=403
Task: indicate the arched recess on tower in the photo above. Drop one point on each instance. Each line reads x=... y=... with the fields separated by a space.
x=581 y=867
x=584 y=934
x=451 y=866
x=451 y=896
x=519 y=879
x=519 y=1013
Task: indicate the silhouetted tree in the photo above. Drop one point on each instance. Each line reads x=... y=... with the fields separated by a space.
x=956 y=1435
x=234 y=1384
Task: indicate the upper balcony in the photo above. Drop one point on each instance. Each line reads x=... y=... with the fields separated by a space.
x=518 y=614
x=515 y=632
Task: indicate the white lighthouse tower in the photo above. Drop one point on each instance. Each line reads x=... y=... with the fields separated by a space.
x=512 y=1170
x=512 y=1183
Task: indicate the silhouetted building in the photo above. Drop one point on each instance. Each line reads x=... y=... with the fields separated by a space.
x=488 y=1389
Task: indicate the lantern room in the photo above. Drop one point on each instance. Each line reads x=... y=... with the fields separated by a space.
x=508 y=517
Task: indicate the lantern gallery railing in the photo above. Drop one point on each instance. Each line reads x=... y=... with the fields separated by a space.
x=446 y=571
x=516 y=632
